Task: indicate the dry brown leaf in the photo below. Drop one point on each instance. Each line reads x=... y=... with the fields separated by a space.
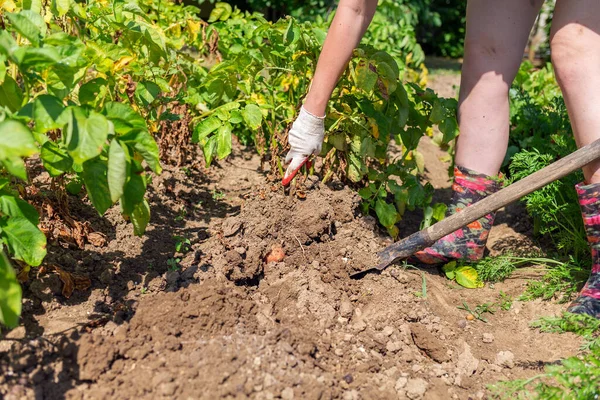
x=49 y=210
x=71 y=281
x=64 y=234
x=97 y=239
x=67 y=280
x=82 y=283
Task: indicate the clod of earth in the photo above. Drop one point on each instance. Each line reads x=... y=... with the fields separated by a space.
x=505 y=359
x=231 y=226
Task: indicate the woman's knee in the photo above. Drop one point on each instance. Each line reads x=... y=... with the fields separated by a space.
x=491 y=64
x=570 y=54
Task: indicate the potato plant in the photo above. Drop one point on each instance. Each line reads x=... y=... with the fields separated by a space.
x=85 y=87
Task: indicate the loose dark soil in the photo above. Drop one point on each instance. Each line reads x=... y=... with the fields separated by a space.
x=215 y=320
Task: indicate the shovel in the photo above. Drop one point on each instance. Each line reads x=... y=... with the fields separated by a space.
x=425 y=238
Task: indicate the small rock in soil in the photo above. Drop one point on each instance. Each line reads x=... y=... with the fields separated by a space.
x=287 y=393
x=505 y=359
x=120 y=332
x=467 y=364
x=488 y=338
x=168 y=389
x=401 y=383
x=351 y=395
x=346 y=307
x=392 y=346
x=359 y=326
x=269 y=380
x=416 y=388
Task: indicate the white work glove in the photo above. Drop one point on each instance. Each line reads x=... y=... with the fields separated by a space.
x=305 y=138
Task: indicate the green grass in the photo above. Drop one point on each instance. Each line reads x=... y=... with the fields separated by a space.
x=562 y=281
x=575 y=378
x=479 y=310
x=583 y=325
x=497 y=269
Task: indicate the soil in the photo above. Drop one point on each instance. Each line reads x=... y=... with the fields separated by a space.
x=216 y=320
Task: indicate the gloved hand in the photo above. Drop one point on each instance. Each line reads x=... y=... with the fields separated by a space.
x=305 y=138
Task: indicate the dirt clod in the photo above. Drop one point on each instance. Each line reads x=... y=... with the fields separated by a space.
x=467 y=363
x=505 y=359
x=416 y=388
x=231 y=226
x=401 y=382
x=427 y=342
x=488 y=338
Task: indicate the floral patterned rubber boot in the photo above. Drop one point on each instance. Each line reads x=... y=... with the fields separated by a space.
x=588 y=301
x=467 y=243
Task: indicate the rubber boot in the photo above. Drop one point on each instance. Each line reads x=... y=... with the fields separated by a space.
x=467 y=243
x=588 y=301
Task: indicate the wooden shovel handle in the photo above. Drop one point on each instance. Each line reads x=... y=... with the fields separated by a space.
x=426 y=237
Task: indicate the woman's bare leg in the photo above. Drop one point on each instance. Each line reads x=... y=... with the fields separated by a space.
x=497 y=32
x=575 y=46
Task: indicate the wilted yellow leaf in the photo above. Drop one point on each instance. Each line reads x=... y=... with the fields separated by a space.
x=48 y=17
x=374 y=128
x=123 y=61
x=8 y=5
x=286 y=82
x=468 y=277
x=258 y=99
x=298 y=54
x=420 y=160
x=193 y=28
